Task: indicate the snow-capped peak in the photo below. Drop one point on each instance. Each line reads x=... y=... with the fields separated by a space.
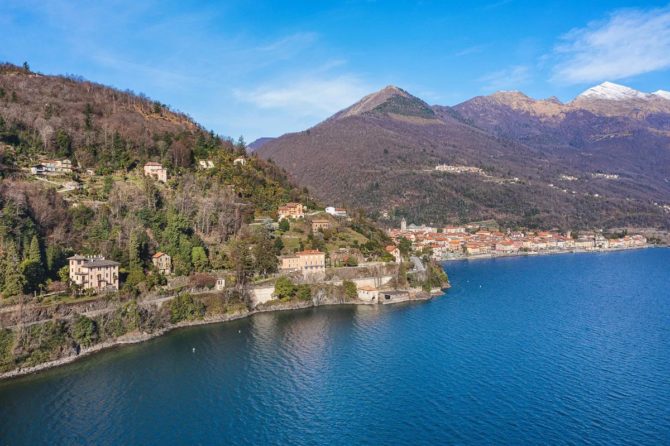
x=662 y=94
x=613 y=92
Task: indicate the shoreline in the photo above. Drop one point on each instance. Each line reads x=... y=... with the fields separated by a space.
x=137 y=338
x=548 y=253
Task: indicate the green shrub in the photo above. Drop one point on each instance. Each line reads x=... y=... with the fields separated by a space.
x=84 y=331
x=125 y=319
x=185 y=308
x=303 y=292
x=284 y=288
x=6 y=348
x=41 y=343
x=350 y=290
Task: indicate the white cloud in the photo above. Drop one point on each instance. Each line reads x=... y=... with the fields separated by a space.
x=311 y=97
x=629 y=42
x=511 y=77
x=475 y=49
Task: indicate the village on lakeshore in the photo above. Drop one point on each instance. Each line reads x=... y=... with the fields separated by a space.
x=485 y=239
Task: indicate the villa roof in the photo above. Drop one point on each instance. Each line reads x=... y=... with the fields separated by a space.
x=100 y=264
x=308 y=252
x=77 y=257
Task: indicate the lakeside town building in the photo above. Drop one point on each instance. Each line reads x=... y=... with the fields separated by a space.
x=368 y=293
x=473 y=241
x=291 y=210
x=94 y=273
x=155 y=170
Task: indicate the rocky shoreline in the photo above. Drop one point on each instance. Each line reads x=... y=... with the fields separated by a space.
x=138 y=337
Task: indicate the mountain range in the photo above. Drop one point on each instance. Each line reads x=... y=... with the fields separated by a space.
x=600 y=160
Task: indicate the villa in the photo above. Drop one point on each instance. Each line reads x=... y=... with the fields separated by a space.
x=291 y=210
x=309 y=262
x=320 y=224
x=94 y=273
x=162 y=262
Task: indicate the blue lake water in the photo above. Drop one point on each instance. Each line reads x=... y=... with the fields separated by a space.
x=567 y=349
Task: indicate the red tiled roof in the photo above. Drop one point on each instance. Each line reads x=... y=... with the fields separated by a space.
x=308 y=252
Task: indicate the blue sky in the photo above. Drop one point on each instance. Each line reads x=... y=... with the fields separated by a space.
x=262 y=68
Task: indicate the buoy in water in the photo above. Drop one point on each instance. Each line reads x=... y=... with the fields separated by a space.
x=193 y=349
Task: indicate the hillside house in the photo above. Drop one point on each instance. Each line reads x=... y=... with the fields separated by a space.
x=291 y=210
x=52 y=167
x=395 y=252
x=220 y=284
x=155 y=170
x=240 y=161
x=309 y=262
x=206 y=164
x=94 y=273
x=336 y=212
x=162 y=262
x=38 y=169
x=320 y=224
x=58 y=167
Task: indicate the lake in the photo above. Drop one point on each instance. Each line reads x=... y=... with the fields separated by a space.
x=560 y=349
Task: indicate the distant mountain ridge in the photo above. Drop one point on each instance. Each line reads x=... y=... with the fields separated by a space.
x=381 y=152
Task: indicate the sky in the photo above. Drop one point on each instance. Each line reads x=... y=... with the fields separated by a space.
x=264 y=68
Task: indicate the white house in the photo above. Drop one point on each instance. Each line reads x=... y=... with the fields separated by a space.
x=368 y=293
x=336 y=212
x=156 y=170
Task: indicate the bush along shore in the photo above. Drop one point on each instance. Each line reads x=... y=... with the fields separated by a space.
x=50 y=336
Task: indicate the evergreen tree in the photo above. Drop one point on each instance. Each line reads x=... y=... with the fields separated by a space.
x=33 y=275
x=14 y=280
x=241 y=261
x=134 y=246
x=199 y=258
x=55 y=260
x=34 y=252
x=265 y=260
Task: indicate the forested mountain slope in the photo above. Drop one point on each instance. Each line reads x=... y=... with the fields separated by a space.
x=541 y=163
x=106 y=206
